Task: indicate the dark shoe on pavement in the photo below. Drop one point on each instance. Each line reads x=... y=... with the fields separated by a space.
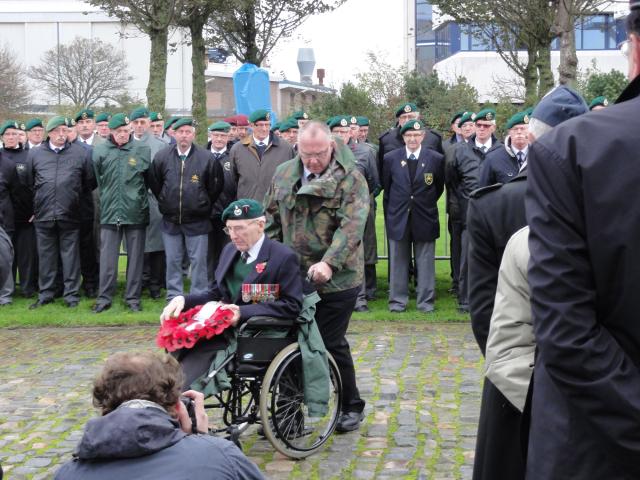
x=72 y=304
x=100 y=307
x=40 y=303
x=349 y=421
x=134 y=307
x=361 y=308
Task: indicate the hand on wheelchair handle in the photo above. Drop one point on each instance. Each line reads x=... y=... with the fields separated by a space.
x=320 y=272
x=173 y=309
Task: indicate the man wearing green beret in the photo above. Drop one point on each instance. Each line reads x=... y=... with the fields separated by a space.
x=363 y=132
x=250 y=259
x=318 y=204
x=121 y=165
x=154 y=269
x=301 y=118
x=102 y=124
x=168 y=130
x=255 y=157
x=503 y=164
x=187 y=181
x=218 y=145
x=599 y=103
x=156 y=126
x=85 y=126
x=413 y=181
x=289 y=131
x=60 y=174
x=23 y=233
x=35 y=133
x=465 y=178
x=391 y=139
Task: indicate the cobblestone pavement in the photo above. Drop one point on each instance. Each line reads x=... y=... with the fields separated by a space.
x=421 y=383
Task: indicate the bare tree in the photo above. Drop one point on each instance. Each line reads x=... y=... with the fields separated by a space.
x=14 y=92
x=83 y=72
x=250 y=29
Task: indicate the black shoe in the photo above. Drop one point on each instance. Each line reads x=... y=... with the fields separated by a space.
x=463 y=309
x=134 y=307
x=40 y=303
x=361 y=308
x=397 y=310
x=155 y=294
x=349 y=421
x=72 y=304
x=100 y=307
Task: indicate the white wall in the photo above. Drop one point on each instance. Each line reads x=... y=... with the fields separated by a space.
x=30 y=28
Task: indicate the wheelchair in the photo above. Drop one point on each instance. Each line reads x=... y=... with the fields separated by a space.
x=266 y=377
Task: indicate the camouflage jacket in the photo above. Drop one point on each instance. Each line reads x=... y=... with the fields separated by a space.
x=323 y=220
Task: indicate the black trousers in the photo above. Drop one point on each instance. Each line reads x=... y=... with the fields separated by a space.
x=333 y=313
x=499 y=449
x=25 y=263
x=455 y=245
x=89 y=266
x=154 y=271
x=58 y=240
x=217 y=240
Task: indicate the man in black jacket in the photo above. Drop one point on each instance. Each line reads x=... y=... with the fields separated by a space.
x=60 y=174
x=187 y=181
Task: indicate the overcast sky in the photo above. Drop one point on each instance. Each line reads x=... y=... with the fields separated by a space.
x=341 y=39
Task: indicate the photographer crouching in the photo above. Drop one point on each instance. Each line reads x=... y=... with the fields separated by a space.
x=145 y=431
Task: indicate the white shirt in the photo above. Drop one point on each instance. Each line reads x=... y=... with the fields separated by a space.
x=415 y=154
x=88 y=140
x=524 y=151
x=53 y=147
x=487 y=145
x=219 y=152
x=186 y=154
x=265 y=141
x=255 y=250
x=33 y=145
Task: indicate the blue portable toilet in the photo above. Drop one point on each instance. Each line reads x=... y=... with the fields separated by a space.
x=251 y=90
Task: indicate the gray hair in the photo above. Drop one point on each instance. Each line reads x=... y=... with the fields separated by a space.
x=314 y=128
x=538 y=127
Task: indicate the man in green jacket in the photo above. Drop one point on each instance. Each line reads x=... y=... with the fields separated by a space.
x=121 y=164
x=318 y=204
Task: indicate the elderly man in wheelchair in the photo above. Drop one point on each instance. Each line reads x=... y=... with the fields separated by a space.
x=270 y=365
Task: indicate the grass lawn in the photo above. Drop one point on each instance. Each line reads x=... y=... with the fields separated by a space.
x=57 y=314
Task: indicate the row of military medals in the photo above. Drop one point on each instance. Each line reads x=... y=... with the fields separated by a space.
x=260 y=292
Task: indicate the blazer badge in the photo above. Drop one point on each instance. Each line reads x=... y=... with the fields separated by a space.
x=428 y=178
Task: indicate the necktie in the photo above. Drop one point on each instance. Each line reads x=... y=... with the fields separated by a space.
x=311 y=176
x=261 y=147
x=57 y=150
x=183 y=157
x=245 y=257
x=217 y=155
x=520 y=156
x=412 y=157
x=484 y=149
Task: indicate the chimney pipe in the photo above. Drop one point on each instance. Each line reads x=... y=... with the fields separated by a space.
x=320 y=73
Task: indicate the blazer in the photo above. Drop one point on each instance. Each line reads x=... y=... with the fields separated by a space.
x=281 y=267
x=412 y=198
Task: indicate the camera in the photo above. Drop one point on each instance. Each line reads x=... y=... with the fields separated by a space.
x=190 y=405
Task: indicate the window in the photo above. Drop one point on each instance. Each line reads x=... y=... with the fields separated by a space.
x=424 y=22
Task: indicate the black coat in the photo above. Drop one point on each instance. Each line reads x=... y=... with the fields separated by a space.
x=464 y=172
x=228 y=193
x=23 y=200
x=392 y=140
x=582 y=208
x=499 y=166
x=413 y=200
x=9 y=186
x=186 y=193
x=60 y=181
x=495 y=213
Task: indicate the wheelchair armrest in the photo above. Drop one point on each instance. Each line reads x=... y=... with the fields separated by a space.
x=264 y=321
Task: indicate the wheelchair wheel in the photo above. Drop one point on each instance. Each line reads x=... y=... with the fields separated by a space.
x=285 y=416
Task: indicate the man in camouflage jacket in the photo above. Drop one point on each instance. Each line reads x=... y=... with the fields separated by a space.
x=318 y=205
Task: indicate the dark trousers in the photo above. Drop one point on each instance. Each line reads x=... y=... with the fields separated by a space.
x=58 y=239
x=333 y=313
x=110 y=240
x=217 y=240
x=455 y=240
x=25 y=263
x=89 y=266
x=196 y=361
x=154 y=271
x=499 y=450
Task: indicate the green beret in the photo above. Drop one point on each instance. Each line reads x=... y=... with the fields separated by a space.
x=529 y=111
x=56 y=122
x=219 y=127
x=466 y=117
x=456 y=116
x=406 y=108
x=181 y=122
x=363 y=121
x=520 y=118
x=118 y=120
x=412 y=125
x=156 y=116
x=34 y=122
x=84 y=114
x=276 y=126
x=300 y=115
x=140 y=112
x=338 y=121
x=599 y=101
x=170 y=121
x=243 y=209
x=488 y=114
x=9 y=124
x=103 y=117
x=260 y=115
x=289 y=124
x=353 y=120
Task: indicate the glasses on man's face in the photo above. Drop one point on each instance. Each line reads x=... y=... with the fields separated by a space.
x=624 y=48
x=238 y=229
x=484 y=125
